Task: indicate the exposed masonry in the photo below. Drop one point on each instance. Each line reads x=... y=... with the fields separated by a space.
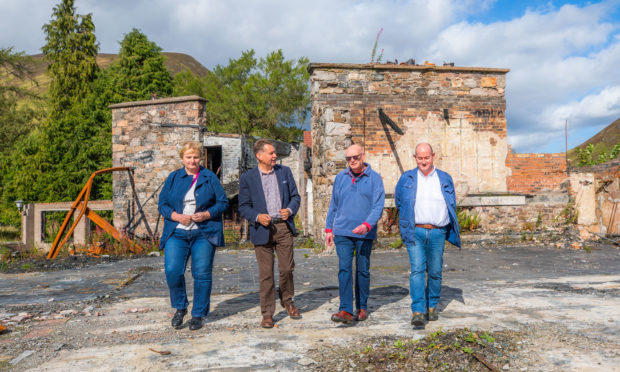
x=596 y=192
x=459 y=110
x=146 y=135
x=533 y=173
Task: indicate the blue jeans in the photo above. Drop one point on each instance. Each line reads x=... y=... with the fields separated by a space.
x=426 y=256
x=179 y=247
x=347 y=248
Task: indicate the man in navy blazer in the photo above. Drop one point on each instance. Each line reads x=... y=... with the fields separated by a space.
x=269 y=200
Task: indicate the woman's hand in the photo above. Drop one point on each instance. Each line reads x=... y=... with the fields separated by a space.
x=201 y=216
x=183 y=219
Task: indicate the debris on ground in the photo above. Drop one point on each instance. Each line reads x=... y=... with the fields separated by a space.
x=455 y=350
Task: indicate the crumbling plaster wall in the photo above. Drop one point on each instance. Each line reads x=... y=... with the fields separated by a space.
x=596 y=194
x=232 y=158
x=470 y=143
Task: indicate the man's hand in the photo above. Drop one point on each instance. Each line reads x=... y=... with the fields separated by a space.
x=285 y=213
x=183 y=219
x=360 y=230
x=201 y=216
x=264 y=219
x=329 y=239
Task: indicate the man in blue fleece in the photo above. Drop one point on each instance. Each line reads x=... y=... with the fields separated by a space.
x=355 y=208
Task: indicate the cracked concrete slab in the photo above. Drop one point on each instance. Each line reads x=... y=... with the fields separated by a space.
x=569 y=301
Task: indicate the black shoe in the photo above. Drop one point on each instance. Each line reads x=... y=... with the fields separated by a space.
x=177 y=319
x=195 y=323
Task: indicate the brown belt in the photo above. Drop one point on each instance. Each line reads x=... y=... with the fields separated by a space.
x=427 y=226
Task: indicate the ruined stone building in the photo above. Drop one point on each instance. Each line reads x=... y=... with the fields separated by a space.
x=147 y=136
x=389 y=108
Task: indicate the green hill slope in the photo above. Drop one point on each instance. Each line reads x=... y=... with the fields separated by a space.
x=603 y=141
x=175 y=62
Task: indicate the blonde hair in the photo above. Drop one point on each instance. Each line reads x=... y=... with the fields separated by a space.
x=190 y=146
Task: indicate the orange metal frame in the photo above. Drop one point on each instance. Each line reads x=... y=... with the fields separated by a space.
x=81 y=204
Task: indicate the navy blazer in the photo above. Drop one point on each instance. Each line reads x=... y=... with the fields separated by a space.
x=252 y=200
x=210 y=196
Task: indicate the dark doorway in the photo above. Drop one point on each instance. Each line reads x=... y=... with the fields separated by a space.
x=213 y=161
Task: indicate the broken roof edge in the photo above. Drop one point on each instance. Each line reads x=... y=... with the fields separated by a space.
x=222 y=134
x=386 y=66
x=158 y=101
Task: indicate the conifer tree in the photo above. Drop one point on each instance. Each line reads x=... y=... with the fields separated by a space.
x=140 y=71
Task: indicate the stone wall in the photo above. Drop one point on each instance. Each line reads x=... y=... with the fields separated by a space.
x=147 y=136
x=460 y=111
x=533 y=173
x=536 y=211
x=596 y=194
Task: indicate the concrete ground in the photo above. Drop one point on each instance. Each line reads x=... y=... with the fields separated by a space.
x=566 y=302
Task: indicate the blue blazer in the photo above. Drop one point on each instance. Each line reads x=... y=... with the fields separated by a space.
x=252 y=200
x=405 y=202
x=210 y=196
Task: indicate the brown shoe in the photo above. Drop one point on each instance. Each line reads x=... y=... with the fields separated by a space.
x=267 y=322
x=342 y=316
x=292 y=311
x=432 y=314
x=417 y=320
x=361 y=315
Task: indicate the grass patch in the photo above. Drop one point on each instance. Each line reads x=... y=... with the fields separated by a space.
x=9 y=233
x=456 y=350
x=467 y=221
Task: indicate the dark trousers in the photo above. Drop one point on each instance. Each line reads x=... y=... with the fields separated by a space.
x=280 y=241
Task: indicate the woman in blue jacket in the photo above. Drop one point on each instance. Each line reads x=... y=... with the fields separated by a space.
x=192 y=202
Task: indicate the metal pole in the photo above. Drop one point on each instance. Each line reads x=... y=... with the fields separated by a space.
x=566 y=144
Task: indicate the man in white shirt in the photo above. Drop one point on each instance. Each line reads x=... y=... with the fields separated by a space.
x=427 y=218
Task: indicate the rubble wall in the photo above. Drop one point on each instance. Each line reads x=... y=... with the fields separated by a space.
x=147 y=136
x=460 y=111
x=534 y=173
x=596 y=194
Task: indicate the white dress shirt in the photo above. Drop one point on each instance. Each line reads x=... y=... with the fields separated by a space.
x=430 y=205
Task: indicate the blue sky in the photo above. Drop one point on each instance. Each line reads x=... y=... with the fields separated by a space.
x=563 y=55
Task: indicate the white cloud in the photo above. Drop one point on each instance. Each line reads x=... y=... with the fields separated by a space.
x=557 y=56
x=594 y=108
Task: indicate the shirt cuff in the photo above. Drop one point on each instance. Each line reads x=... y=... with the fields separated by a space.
x=328 y=230
x=367 y=225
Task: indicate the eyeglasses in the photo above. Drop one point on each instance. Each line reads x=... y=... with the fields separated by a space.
x=354 y=157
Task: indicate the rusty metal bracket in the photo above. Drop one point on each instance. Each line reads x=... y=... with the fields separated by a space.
x=81 y=205
x=385 y=121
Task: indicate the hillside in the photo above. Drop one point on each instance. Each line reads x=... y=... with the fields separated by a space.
x=175 y=62
x=602 y=141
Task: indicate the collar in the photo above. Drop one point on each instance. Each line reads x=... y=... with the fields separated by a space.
x=364 y=172
x=263 y=173
x=431 y=174
x=200 y=170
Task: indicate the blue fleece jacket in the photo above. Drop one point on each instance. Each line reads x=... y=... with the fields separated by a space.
x=355 y=200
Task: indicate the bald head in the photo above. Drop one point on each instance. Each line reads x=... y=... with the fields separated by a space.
x=425 y=147
x=354 y=150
